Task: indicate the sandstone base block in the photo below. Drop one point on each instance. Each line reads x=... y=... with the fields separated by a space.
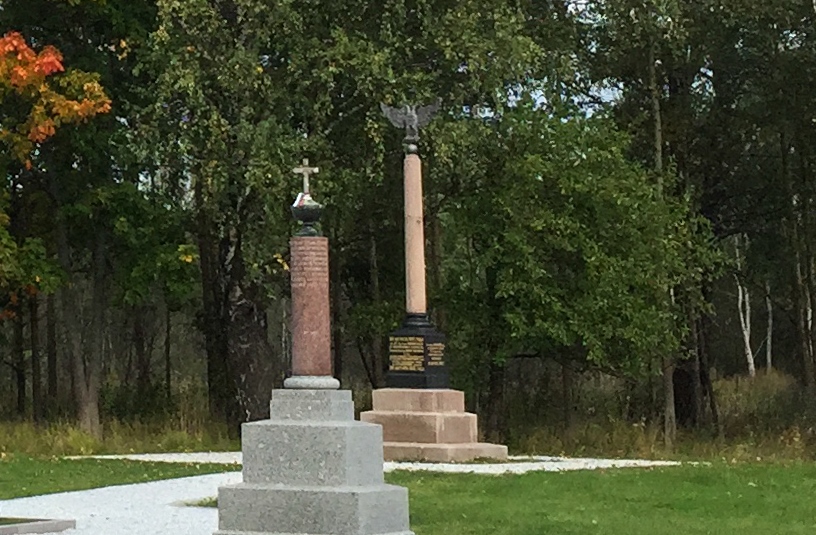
x=312 y=470
x=428 y=425
x=443 y=453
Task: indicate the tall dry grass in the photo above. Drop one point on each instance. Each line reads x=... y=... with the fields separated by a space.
x=768 y=417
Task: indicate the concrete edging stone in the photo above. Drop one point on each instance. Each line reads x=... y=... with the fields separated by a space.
x=38 y=526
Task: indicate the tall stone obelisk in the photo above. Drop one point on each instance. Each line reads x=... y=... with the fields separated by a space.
x=422 y=419
x=311 y=469
x=417 y=349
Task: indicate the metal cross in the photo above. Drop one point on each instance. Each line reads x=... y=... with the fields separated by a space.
x=306 y=171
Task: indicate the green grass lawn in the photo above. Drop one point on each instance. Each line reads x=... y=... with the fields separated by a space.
x=722 y=499
x=24 y=476
x=718 y=499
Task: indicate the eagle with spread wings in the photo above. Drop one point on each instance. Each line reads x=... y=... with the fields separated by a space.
x=410 y=117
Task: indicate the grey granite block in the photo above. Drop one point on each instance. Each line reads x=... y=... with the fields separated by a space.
x=312 y=405
x=369 y=510
x=305 y=453
x=38 y=526
x=312 y=470
x=311 y=382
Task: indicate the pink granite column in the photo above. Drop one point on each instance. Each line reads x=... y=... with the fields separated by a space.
x=415 y=301
x=311 y=324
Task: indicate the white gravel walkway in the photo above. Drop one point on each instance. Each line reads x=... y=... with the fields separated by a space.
x=157 y=508
x=521 y=465
x=142 y=509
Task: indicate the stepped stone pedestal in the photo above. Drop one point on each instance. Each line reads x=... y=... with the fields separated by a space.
x=428 y=425
x=312 y=470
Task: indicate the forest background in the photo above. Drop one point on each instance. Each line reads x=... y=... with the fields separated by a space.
x=619 y=214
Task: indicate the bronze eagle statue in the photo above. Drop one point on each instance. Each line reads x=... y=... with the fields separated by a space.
x=410 y=117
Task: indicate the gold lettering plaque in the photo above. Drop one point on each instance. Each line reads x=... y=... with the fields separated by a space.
x=407 y=353
x=436 y=354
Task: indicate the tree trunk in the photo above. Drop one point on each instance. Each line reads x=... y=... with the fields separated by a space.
x=20 y=367
x=800 y=287
x=369 y=371
x=657 y=116
x=251 y=359
x=51 y=352
x=705 y=377
x=220 y=388
x=336 y=293
x=436 y=274
x=495 y=414
x=496 y=371
x=86 y=362
x=769 y=330
x=143 y=367
x=168 y=391
x=250 y=355
x=744 y=308
x=669 y=415
x=667 y=364
x=371 y=348
x=804 y=314
x=566 y=393
x=85 y=365
x=88 y=370
x=696 y=378
x=379 y=345
x=36 y=370
x=806 y=239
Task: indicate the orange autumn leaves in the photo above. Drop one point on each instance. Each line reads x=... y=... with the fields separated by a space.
x=26 y=74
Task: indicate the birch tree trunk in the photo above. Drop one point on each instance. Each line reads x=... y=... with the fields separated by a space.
x=800 y=287
x=804 y=311
x=769 y=333
x=744 y=307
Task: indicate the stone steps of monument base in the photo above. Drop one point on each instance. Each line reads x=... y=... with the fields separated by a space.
x=425 y=427
x=336 y=510
x=443 y=453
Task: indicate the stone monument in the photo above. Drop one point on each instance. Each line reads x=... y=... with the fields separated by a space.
x=422 y=419
x=311 y=469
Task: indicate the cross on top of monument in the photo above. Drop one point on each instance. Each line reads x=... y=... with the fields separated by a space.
x=306 y=171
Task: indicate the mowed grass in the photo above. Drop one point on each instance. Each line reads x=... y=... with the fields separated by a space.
x=716 y=499
x=25 y=476
x=720 y=499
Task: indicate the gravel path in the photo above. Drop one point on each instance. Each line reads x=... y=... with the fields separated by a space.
x=157 y=508
x=521 y=465
x=142 y=509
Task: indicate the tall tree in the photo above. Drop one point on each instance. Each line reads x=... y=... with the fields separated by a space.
x=78 y=160
x=247 y=89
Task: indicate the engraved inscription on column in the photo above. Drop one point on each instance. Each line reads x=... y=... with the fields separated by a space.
x=436 y=354
x=310 y=263
x=407 y=353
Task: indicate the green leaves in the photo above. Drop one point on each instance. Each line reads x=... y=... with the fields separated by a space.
x=568 y=247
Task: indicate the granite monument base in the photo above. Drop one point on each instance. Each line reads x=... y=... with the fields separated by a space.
x=312 y=470
x=428 y=425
